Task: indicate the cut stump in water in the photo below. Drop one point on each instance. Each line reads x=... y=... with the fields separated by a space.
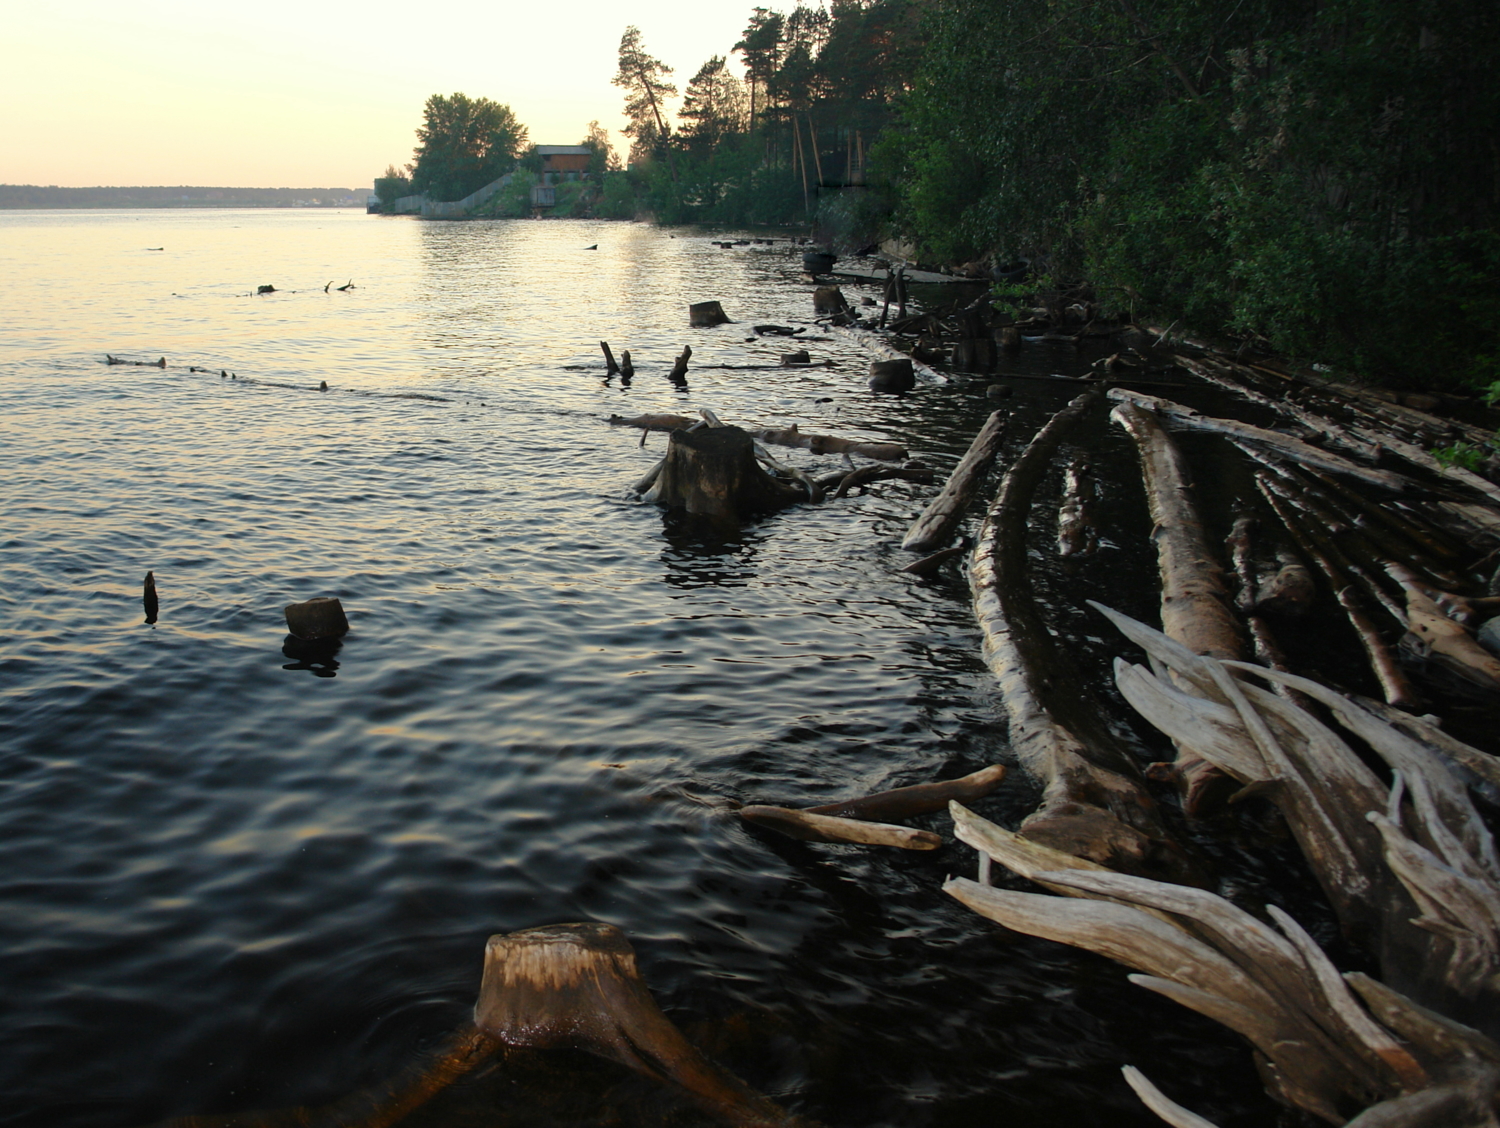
x=892 y=375
x=577 y=986
x=705 y=315
x=829 y=299
x=317 y=619
x=713 y=472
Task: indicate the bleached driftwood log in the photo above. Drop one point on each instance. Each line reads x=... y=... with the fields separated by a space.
x=1410 y=869
x=864 y=820
x=830 y=444
x=1322 y=1047
x=1094 y=803
x=935 y=526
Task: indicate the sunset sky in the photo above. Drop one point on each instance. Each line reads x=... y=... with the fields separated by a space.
x=281 y=94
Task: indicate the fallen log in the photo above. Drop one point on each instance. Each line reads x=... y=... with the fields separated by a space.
x=653 y=422
x=1296 y=448
x=918 y=799
x=829 y=444
x=1094 y=803
x=1262 y=640
x=937 y=522
x=1411 y=869
x=931 y=564
x=1393 y=682
x=810 y=827
x=1195 y=601
x=1077 y=534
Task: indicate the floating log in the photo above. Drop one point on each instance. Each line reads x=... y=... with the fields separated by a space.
x=931 y=564
x=1303 y=452
x=577 y=985
x=713 y=472
x=1077 y=536
x=810 y=827
x=918 y=799
x=705 y=315
x=1393 y=682
x=940 y=518
x=317 y=619
x=829 y=444
x=892 y=376
x=1195 y=602
x=653 y=422
x=148 y=597
x=1094 y=803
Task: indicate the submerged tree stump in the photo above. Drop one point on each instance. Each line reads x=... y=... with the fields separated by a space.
x=576 y=985
x=705 y=315
x=713 y=472
x=317 y=619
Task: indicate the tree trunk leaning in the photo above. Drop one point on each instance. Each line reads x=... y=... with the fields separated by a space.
x=935 y=527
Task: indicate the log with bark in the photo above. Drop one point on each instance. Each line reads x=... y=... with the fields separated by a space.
x=1077 y=534
x=830 y=444
x=1305 y=453
x=938 y=521
x=1195 y=602
x=1094 y=802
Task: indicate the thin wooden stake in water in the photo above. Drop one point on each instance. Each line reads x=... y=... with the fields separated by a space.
x=148 y=597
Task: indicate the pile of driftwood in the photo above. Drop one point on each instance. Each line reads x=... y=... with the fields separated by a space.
x=1376 y=796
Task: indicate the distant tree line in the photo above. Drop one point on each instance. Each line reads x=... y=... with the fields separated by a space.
x=178 y=196
x=1324 y=176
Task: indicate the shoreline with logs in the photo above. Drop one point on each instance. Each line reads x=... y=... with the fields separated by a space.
x=1392 y=813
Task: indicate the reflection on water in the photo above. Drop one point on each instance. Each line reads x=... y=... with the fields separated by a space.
x=317 y=656
x=223 y=887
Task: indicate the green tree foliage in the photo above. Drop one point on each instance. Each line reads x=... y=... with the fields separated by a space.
x=465 y=143
x=603 y=157
x=714 y=108
x=644 y=80
x=391 y=185
x=1314 y=175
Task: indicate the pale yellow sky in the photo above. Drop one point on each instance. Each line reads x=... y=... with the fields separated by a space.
x=270 y=93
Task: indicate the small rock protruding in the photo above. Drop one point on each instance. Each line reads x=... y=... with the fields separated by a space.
x=317 y=619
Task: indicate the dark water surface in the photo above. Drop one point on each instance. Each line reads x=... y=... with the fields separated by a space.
x=230 y=879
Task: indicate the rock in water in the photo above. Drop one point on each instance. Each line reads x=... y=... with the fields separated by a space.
x=319 y=618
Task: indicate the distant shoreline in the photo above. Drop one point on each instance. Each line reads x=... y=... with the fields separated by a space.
x=32 y=197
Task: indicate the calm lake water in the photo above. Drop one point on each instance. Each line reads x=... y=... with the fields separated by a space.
x=231 y=879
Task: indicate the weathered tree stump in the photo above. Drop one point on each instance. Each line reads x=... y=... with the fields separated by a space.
x=892 y=376
x=576 y=985
x=829 y=299
x=974 y=354
x=678 y=375
x=801 y=356
x=705 y=315
x=317 y=619
x=713 y=473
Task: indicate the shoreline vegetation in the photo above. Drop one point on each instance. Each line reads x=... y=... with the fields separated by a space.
x=1317 y=182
